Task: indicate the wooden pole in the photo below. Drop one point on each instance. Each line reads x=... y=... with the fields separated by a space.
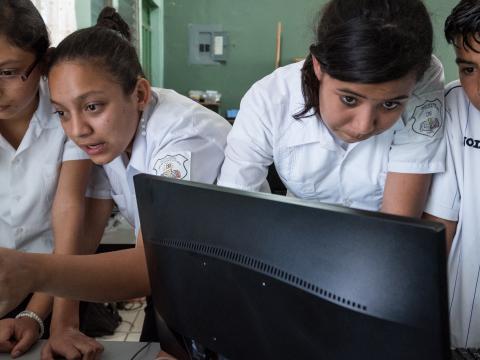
x=278 y=45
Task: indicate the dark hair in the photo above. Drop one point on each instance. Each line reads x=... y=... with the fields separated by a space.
x=464 y=21
x=368 y=41
x=107 y=44
x=23 y=26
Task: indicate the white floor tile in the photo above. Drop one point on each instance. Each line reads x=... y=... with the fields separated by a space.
x=133 y=336
x=118 y=336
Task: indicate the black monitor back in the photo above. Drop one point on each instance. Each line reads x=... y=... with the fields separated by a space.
x=258 y=276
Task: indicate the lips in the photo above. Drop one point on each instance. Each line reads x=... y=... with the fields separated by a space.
x=94 y=149
x=4 y=107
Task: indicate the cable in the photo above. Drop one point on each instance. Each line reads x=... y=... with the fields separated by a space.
x=140 y=350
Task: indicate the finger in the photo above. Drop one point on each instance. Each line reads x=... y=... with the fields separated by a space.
x=25 y=342
x=47 y=353
x=6 y=334
x=90 y=348
x=67 y=350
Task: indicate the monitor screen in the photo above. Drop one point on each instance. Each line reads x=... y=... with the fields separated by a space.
x=260 y=276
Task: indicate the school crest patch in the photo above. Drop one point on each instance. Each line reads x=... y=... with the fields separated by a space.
x=427 y=118
x=175 y=166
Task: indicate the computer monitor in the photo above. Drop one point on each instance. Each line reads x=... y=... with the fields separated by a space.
x=261 y=276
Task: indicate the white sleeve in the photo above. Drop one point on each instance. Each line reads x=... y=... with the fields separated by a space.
x=193 y=155
x=249 y=150
x=98 y=185
x=72 y=152
x=419 y=147
x=444 y=198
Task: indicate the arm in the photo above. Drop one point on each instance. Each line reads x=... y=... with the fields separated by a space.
x=104 y=277
x=418 y=147
x=450 y=228
x=67 y=222
x=405 y=194
x=249 y=150
x=90 y=220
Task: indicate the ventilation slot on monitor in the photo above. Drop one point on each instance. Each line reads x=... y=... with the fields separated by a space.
x=260 y=266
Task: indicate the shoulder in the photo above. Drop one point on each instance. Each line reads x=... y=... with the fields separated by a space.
x=274 y=99
x=457 y=103
x=454 y=92
x=284 y=82
x=432 y=80
x=172 y=113
x=459 y=110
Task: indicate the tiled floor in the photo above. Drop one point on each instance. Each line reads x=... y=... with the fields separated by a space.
x=132 y=322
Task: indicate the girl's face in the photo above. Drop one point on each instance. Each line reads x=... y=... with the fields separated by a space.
x=18 y=98
x=355 y=112
x=94 y=111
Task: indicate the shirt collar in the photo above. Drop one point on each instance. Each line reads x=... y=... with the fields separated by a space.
x=138 y=160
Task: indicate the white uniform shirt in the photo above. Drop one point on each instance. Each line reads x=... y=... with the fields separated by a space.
x=177 y=138
x=311 y=162
x=28 y=180
x=455 y=196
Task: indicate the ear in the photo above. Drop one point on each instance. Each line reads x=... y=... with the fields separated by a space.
x=142 y=93
x=317 y=68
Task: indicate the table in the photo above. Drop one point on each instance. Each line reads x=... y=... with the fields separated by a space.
x=113 y=350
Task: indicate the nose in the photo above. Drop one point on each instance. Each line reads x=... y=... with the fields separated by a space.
x=79 y=127
x=365 y=121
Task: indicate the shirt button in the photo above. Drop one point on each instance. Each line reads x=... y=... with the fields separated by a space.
x=347 y=202
x=19 y=231
x=17 y=198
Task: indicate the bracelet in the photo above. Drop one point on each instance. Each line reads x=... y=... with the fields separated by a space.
x=32 y=315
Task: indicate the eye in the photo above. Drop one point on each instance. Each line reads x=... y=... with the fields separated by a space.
x=95 y=107
x=60 y=113
x=467 y=70
x=390 y=105
x=7 y=72
x=348 y=100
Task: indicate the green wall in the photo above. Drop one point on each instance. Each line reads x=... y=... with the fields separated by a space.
x=251 y=25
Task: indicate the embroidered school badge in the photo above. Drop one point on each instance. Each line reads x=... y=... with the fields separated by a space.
x=427 y=118
x=175 y=166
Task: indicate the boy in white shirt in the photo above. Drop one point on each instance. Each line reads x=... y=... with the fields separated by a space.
x=454 y=198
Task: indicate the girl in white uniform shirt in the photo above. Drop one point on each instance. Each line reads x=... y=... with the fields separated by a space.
x=35 y=156
x=454 y=199
x=108 y=109
x=358 y=123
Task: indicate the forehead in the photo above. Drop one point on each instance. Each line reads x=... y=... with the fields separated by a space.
x=380 y=91
x=79 y=75
x=11 y=53
x=469 y=51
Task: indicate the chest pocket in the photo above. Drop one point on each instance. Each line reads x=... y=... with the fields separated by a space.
x=310 y=171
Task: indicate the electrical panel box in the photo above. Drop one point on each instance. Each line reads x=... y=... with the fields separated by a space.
x=207 y=44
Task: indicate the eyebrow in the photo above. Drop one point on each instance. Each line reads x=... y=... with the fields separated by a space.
x=347 y=91
x=80 y=97
x=464 y=62
x=10 y=62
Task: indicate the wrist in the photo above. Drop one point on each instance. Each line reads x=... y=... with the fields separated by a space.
x=31 y=315
x=65 y=314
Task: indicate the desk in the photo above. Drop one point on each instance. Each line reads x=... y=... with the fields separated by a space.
x=113 y=350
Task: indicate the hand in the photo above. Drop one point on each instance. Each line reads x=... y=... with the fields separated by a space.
x=162 y=355
x=18 y=335
x=71 y=344
x=16 y=280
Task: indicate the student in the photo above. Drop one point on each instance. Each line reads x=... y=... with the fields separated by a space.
x=358 y=123
x=35 y=156
x=108 y=109
x=454 y=198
